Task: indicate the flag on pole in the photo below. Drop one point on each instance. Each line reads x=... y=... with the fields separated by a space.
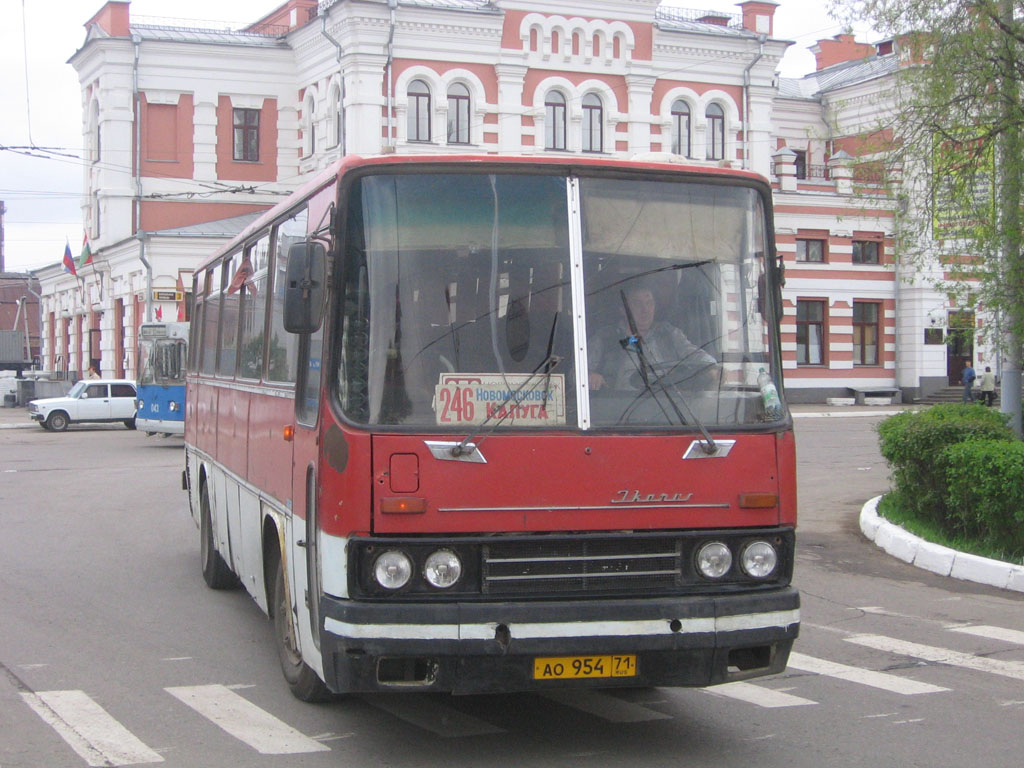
x=69 y=262
x=85 y=257
x=159 y=314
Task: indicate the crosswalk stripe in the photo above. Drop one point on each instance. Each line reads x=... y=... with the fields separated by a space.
x=1013 y=669
x=993 y=633
x=245 y=721
x=431 y=715
x=755 y=694
x=881 y=680
x=89 y=729
x=606 y=706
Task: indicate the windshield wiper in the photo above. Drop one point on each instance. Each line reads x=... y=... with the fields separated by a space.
x=545 y=367
x=635 y=343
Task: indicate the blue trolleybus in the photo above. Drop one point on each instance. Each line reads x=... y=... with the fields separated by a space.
x=161 y=380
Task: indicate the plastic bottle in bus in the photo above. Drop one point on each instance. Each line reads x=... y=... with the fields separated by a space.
x=769 y=395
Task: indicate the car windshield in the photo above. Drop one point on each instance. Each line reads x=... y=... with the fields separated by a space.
x=463 y=305
x=77 y=389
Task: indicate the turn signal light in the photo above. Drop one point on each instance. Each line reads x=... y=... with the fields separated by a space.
x=288 y=433
x=758 y=500
x=402 y=505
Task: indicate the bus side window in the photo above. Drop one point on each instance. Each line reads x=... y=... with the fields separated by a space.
x=282 y=361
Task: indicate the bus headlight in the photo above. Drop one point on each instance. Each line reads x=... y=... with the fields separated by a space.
x=714 y=560
x=393 y=570
x=173 y=406
x=442 y=569
x=759 y=559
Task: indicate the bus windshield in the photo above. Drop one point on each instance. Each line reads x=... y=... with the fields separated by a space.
x=525 y=301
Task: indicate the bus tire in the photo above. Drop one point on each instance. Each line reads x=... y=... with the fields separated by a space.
x=303 y=682
x=216 y=572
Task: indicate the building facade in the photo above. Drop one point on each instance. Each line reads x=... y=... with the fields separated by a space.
x=191 y=132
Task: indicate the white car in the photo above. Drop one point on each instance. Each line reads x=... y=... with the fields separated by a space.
x=93 y=400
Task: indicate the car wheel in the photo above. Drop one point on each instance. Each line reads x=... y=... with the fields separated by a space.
x=57 y=421
x=130 y=423
x=303 y=682
x=216 y=572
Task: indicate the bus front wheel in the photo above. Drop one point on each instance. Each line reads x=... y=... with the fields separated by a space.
x=216 y=572
x=303 y=682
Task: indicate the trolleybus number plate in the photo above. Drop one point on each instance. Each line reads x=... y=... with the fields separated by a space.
x=572 y=667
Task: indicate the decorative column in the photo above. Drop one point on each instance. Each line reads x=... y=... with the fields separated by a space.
x=785 y=169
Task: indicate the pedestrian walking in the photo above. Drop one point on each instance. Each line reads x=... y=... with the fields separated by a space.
x=988 y=387
x=967 y=378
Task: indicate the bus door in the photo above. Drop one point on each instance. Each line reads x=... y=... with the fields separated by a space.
x=304 y=565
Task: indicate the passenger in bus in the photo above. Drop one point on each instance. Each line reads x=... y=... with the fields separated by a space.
x=620 y=360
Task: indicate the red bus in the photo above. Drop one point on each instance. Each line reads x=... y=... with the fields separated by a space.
x=481 y=424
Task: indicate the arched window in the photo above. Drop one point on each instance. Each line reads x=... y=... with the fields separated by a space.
x=554 y=121
x=458 y=114
x=593 y=123
x=680 y=128
x=716 y=132
x=94 y=130
x=337 y=126
x=308 y=127
x=419 y=111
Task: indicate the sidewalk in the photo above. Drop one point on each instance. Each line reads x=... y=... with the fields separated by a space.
x=16 y=418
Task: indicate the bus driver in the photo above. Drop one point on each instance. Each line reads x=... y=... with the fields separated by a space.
x=616 y=359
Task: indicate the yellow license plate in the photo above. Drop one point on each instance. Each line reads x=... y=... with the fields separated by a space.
x=574 y=667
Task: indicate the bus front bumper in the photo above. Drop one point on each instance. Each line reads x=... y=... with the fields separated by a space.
x=494 y=647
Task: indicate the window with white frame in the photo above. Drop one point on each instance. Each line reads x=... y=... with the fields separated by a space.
x=337 y=125
x=308 y=127
x=419 y=111
x=246 y=143
x=458 y=114
x=554 y=121
x=715 y=117
x=593 y=123
x=680 y=128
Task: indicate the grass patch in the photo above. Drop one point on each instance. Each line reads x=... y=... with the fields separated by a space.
x=892 y=508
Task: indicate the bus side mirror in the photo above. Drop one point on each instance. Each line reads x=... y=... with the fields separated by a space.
x=305 y=287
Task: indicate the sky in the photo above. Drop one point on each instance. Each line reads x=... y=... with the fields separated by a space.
x=42 y=192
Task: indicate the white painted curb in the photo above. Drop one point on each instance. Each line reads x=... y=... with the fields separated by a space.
x=937 y=559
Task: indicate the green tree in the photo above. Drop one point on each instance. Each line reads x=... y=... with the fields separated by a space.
x=957 y=113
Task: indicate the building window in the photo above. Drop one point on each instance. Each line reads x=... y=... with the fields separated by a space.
x=801 y=163
x=309 y=128
x=716 y=132
x=810 y=250
x=810 y=332
x=458 y=114
x=865 y=333
x=247 y=135
x=866 y=251
x=593 y=123
x=419 y=111
x=337 y=119
x=680 y=128
x=554 y=121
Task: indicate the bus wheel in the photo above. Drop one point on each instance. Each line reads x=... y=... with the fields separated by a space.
x=303 y=682
x=216 y=573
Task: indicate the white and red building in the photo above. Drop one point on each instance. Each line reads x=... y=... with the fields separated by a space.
x=191 y=131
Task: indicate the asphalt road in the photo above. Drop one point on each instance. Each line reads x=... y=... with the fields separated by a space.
x=112 y=651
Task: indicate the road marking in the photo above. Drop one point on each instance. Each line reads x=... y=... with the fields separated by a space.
x=606 y=706
x=245 y=721
x=993 y=633
x=89 y=729
x=1013 y=669
x=869 y=677
x=755 y=694
x=431 y=715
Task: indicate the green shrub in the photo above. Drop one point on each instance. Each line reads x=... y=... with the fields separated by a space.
x=985 y=481
x=914 y=444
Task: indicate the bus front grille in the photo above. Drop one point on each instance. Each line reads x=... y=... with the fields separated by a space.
x=581 y=566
